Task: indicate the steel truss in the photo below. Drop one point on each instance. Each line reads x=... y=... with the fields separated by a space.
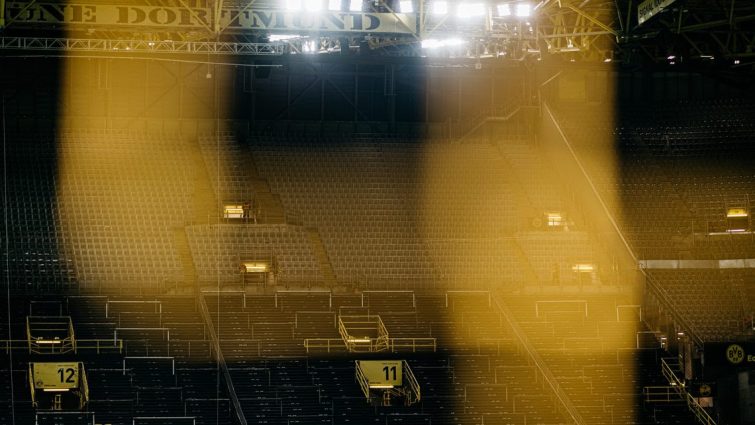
x=143 y=46
x=585 y=30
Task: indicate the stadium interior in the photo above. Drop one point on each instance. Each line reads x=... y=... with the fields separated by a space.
x=390 y=212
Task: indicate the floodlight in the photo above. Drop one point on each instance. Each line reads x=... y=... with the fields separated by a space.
x=523 y=10
x=334 y=5
x=504 y=9
x=355 y=6
x=406 y=6
x=283 y=37
x=293 y=4
x=313 y=5
x=469 y=10
x=440 y=8
x=431 y=43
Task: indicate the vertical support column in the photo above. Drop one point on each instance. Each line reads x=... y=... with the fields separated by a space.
x=2 y=14
x=356 y=93
x=389 y=90
x=321 y=75
x=288 y=95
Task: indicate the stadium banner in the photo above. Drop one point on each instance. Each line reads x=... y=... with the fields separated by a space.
x=649 y=8
x=181 y=18
x=55 y=376
x=725 y=357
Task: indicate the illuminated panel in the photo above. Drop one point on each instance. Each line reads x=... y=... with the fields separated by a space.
x=55 y=376
x=583 y=267
x=554 y=219
x=736 y=213
x=382 y=373
x=233 y=211
x=254 y=267
x=737 y=219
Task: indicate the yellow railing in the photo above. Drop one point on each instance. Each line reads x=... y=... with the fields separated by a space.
x=84 y=387
x=362 y=379
x=661 y=394
x=702 y=416
x=414 y=395
x=335 y=344
x=414 y=344
x=31 y=386
x=99 y=345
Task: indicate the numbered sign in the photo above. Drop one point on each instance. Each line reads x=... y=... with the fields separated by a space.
x=382 y=373
x=55 y=376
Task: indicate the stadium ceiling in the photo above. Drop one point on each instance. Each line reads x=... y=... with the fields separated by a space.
x=628 y=31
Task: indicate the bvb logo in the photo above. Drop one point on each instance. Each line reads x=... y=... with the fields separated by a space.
x=705 y=390
x=735 y=354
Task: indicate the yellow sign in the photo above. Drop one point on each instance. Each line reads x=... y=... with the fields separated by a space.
x=735 y=354
x=705 y=390
x=736 y=212
x=55 y=376
x=382 y=373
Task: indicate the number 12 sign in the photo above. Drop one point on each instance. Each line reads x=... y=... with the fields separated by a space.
x=382 y=373
x=55 y=376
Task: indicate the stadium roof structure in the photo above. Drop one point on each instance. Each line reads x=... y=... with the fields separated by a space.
x=627 y=31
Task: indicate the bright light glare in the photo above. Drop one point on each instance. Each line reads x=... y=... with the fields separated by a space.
x=469 y=10
x=406 y=7
x=334 y=5
x=440 y=8
x=504 y=10
x=432 y=43
x=313 y=5
x=355 y=5
x=283 y=37
x=523 y=10
x=293 y=4
x=308 y=47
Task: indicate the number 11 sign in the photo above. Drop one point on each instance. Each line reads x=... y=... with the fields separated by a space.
x=382 y=373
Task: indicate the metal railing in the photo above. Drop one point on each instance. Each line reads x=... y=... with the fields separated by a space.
x=542 y=368
x=329 y=344
x=142 y=46
x=415 y=394
x=364 y=384
x=413 y=344
x=221 y=360
x=99 y=345
x=668 y=372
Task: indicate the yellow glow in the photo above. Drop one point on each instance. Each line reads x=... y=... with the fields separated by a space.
x=255 y=267
x=736 y=212
x=583 y=268
x=554 y=219
x=233 y=211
